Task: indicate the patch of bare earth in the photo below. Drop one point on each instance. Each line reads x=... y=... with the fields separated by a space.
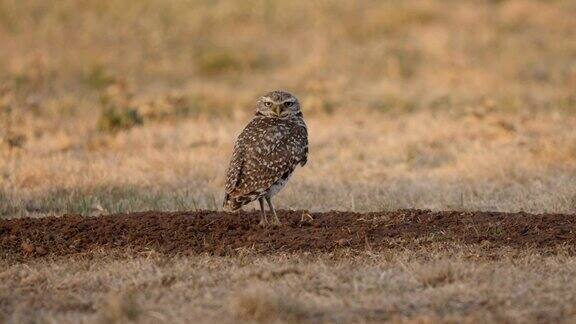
x=402 y=266
x=219 y=233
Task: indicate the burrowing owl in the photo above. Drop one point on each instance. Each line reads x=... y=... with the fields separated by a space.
x=266 y=153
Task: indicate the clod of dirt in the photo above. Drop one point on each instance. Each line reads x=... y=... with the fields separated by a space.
x=227 y=234
x=27 y=248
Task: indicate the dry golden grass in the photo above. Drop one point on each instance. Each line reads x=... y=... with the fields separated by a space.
x=428 y=104
x=439 y=284
x=368 y=162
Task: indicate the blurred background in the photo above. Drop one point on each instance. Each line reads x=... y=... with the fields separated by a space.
x=115 y=106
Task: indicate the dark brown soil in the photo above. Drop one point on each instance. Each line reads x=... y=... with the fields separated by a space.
x=225 y=234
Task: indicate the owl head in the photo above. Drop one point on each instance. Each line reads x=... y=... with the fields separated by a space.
x=278 y=104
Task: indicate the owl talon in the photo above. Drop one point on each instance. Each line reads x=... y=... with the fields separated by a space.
x=276 y=223
x=263 y=224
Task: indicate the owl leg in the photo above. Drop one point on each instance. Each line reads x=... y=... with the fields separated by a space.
x=275 y=221
x=263 y=220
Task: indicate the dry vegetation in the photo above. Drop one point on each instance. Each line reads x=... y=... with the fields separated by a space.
x=431 y=104
x=424 y=286
x=114 y=106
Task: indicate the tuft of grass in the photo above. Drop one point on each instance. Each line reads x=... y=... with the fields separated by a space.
x=495 y=231
x=393 y=103
x=115 y=119
x=220 y=60
x=437 y=273
x=264 y=305
x=98 y=77
x=14 y=140
x=119 y=308
x=7 y=206
x=428 y=155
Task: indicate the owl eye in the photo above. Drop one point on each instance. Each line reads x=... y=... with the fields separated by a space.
x=268 y=104
x=288 y=103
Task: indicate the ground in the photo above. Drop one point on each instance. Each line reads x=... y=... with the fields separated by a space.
x=403 y=266
x=121 y=107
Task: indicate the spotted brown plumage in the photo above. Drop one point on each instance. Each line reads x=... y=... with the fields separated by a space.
x=266 y=153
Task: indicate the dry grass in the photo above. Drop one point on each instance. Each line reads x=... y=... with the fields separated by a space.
x=368 y=162
x=439 y=284
x=428 y=104
x=262 y=304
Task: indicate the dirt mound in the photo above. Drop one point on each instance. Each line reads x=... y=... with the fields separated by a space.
x=224 y=234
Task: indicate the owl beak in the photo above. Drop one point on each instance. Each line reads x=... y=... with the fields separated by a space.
x=277 y=110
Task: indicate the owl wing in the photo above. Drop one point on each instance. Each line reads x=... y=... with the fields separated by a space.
x=234 y=169
x=264 y=152
x=304 y=154
x=242 y=145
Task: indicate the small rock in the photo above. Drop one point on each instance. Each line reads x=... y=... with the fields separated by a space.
x=41 y=250
x=27 y=248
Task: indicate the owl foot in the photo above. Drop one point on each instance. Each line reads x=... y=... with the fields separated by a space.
x=276 y=223
x=263 y=219
x=275 y=220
